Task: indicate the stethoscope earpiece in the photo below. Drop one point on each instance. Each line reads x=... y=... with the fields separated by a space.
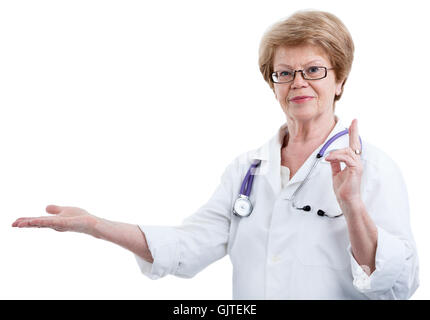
x=320 y=213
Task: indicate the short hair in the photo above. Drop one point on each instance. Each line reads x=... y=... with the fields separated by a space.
x=309 y=27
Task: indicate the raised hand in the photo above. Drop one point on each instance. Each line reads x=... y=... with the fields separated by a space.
x=62 y=219
x=347 y=182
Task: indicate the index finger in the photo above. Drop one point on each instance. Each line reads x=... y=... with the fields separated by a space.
x=354 y=140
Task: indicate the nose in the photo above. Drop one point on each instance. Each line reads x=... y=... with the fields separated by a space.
x=299 y=81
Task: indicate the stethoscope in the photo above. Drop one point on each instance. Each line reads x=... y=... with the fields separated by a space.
x=242 y=206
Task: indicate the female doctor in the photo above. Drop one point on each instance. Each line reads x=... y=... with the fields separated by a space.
x=315 y=213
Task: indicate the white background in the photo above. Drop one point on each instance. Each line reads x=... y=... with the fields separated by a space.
x=89 y=119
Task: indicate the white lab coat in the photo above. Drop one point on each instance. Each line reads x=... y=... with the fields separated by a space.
x=279 y=252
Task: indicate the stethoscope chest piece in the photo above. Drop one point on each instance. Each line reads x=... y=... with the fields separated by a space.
x=242 y=206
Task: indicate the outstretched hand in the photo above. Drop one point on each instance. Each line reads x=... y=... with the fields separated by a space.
x=347 y=182
x=62 y=219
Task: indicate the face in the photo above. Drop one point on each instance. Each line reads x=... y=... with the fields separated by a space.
x=320 y=93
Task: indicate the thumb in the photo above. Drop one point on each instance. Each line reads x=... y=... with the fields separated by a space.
x=53 y=209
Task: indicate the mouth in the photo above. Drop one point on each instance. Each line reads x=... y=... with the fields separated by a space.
x=301 y=99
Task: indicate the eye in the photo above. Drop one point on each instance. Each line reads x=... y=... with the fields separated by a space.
x=312 y=69
x=285 y=73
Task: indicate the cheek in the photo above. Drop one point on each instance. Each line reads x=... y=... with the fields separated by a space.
x=282 y=94
x=328 y=90
x=323 y=93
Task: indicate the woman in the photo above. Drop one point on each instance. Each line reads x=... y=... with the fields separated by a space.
x=323 y=215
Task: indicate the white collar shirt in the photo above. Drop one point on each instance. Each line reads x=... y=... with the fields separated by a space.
x=279 y=252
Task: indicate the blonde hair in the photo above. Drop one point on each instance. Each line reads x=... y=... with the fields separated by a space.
x=309 y=27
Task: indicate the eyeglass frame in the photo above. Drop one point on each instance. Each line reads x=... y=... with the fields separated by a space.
x=302 y=71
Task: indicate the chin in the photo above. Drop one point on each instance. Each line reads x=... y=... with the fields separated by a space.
x=301 y=113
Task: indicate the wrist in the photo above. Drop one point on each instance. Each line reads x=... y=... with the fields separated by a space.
x=348 y=205
x=353 y=210
x=97 y=226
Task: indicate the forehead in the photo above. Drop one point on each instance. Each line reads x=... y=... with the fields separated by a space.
x=299 y=56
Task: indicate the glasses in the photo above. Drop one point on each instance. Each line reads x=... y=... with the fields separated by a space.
x=310 y=73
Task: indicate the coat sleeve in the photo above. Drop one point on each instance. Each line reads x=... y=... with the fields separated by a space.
x=397 y=271
x=202 y=238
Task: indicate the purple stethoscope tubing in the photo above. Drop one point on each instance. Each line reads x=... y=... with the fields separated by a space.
x=245 y=189
x=331 y=140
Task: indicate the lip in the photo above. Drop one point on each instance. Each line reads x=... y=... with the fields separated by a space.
x=300 y=99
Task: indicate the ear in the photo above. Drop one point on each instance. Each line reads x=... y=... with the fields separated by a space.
x=339 y=87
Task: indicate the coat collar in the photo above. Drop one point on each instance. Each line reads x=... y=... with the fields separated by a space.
x=270 y=156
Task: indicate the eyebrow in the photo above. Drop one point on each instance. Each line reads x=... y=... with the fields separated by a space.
x=288 y=66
